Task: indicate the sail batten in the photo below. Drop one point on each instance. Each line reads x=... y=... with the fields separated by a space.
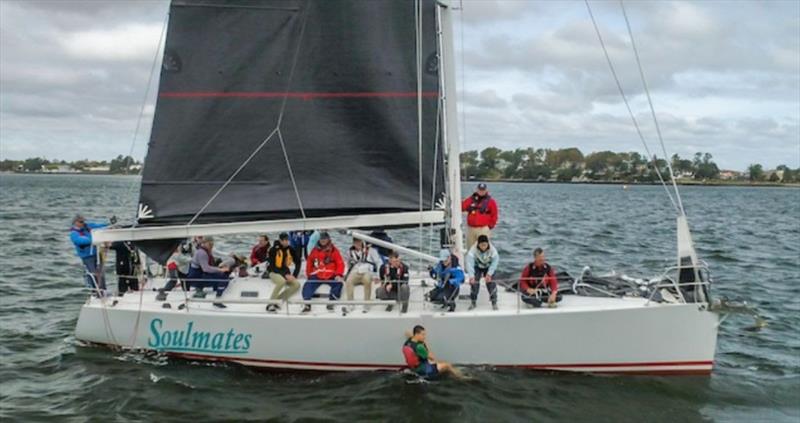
x=337 y=80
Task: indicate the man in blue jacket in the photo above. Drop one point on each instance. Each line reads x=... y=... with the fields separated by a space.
x=449 y=277
x=81 y=236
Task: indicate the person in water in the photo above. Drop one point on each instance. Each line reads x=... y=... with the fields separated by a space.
x=126 y=263
x=81 y=236
x=177 y=269
x=482 y=213
x=260 y=251
x=363 y=263
x=394 y=282
x=539 y=282
x=481 y=262
x=280 y=262
x=324 y=266
x=449 y=277
x=203 y=271
x=420 y=358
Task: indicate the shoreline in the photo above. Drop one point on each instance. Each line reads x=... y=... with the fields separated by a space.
x=715 y=183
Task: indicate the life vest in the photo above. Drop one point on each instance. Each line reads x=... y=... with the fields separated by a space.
x=400 y=273
x=361 y=257
x=413 y=360
x=479 y=204
x=539 y=274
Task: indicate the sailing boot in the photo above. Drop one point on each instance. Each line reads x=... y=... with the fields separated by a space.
x=472 y=305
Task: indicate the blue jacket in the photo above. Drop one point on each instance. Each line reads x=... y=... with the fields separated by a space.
x=82 y=239
x=454 y=275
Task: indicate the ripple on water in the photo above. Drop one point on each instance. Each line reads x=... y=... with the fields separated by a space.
x=752 y=251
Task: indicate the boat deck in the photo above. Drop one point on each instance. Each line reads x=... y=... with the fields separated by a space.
x=251 y=295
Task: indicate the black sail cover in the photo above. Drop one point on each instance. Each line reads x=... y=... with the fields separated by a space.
x=339 y=80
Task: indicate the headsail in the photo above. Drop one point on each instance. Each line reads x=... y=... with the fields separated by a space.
x=298 y=108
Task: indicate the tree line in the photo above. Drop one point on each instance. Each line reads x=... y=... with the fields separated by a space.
x=571 y=165
x=117 y=165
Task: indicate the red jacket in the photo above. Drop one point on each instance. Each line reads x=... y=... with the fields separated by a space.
x=324 y=264
x=258 y=254
x=480 y=211
x=538 y=277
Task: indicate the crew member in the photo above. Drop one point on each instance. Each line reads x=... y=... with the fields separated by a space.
x=363 y=264
x=538 y=282
x=481 y=262
x=126 y=264
x=394 y=282
x=280 y=260
x=481 y=213
x=260 y=251
x=81 y=236
x=204 y=272
x=324 y=266
x=449 y=277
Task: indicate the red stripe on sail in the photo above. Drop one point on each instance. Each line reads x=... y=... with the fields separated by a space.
x=296 y=95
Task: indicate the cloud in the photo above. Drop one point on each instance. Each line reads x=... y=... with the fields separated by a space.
x=724 y=76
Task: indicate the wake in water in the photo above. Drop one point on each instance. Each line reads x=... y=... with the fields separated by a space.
x=726 y=307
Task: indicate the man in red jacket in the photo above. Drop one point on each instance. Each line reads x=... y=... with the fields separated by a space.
x=481 y=214
x=324 y=266
x=538 y=280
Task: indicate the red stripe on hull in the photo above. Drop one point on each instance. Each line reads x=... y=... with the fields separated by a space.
x=613 y=368
x=296 y=95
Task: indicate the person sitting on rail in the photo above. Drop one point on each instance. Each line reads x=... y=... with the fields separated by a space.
x=481 y=262
x=449 y=277
x=177 y=269
x=203 y=272
x=421 y=360
x=539 y=281
x=260 y=251
x=280 y=260
x=394 y=282
x=363 y=263
x=324 y=266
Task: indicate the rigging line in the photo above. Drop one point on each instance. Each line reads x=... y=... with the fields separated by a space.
x=144 y=100
x=294 y=65
x=652 y=109
x=418 y=30
x=291 y=174
x=274 y=131
x=463 y=79
x=628 y=106
x=435 y=169
x=236 y=172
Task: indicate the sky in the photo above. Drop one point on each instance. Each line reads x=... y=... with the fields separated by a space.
x=724 y=77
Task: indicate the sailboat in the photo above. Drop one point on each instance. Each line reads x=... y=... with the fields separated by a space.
x=292 y=115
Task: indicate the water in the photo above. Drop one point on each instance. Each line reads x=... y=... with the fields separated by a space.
x=749 y=236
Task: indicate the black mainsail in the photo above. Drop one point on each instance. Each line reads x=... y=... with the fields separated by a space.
x=292 y=109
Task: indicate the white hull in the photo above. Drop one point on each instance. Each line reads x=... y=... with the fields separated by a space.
x=583 y=334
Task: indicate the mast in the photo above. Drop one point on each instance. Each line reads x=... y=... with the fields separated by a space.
x=450 y=122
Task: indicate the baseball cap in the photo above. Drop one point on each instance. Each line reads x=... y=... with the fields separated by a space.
x=324 y=235
x=481 y=185
x=283 y=235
